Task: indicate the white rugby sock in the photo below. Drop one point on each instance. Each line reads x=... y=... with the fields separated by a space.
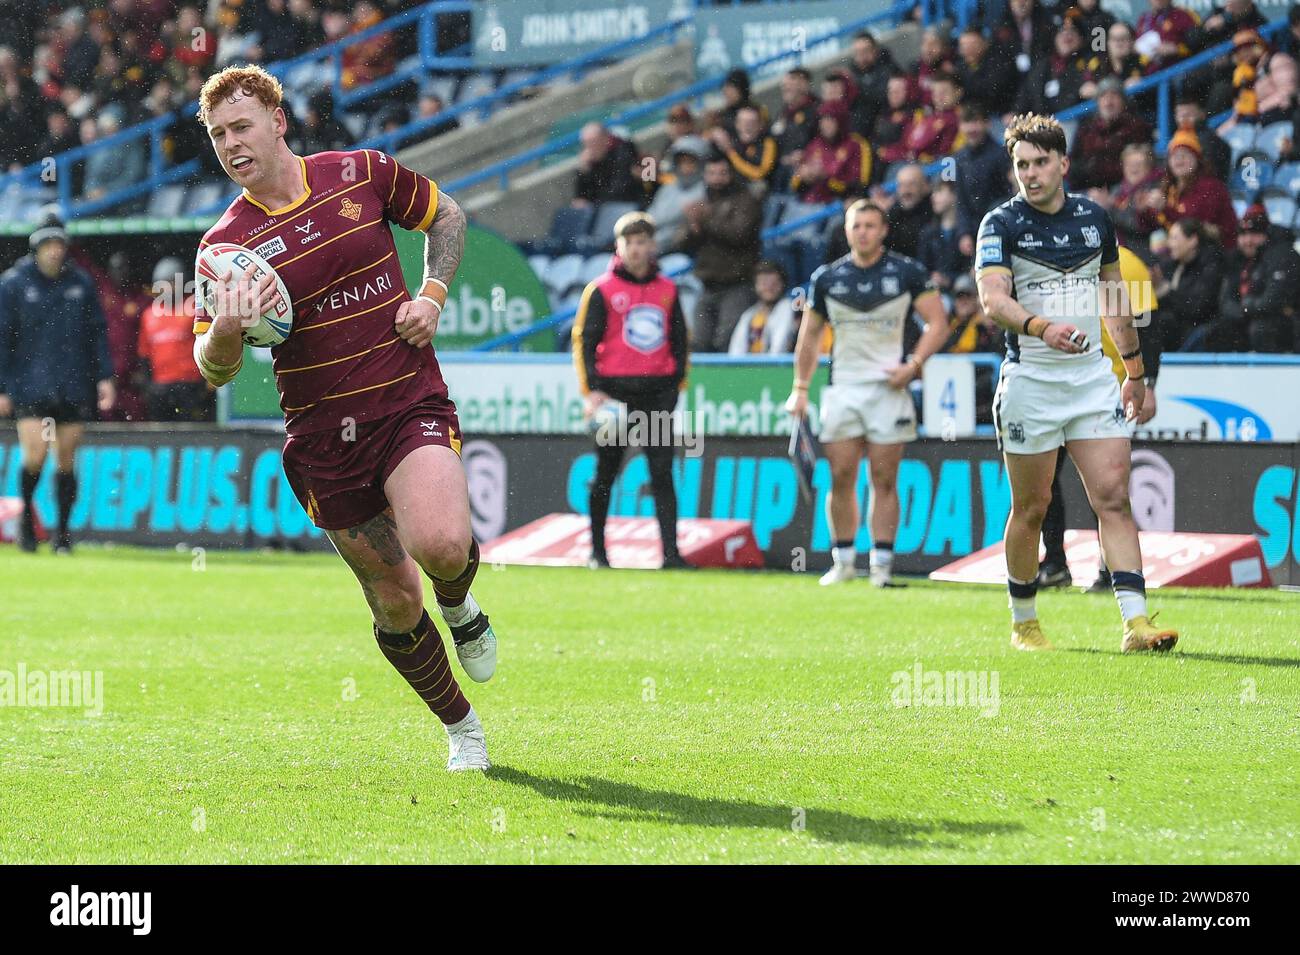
x=844 y=556
x=457 y=616
x=1022 y=608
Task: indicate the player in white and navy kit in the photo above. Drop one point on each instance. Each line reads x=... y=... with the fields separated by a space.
x=1048 y=269
x=868 y=297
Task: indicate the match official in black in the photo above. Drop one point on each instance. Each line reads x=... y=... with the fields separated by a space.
x=630 y=346
x=54 y=365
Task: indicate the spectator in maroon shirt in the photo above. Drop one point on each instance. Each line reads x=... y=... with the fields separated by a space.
x=1171 y=26
x=1095 y=157
x=837 y=163
x=893 y=123
x=935 y=58
x=1189 y=191
x=931 y=132
x=839 y=86
x=1140 y=176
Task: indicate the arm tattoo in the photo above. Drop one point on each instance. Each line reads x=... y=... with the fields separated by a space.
x=445 y=242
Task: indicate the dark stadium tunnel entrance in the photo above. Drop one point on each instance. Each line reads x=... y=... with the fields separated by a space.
x=630 y=802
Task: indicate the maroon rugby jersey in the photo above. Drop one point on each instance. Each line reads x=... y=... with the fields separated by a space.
x=333 y=248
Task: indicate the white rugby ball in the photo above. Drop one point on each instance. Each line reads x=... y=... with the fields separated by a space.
x=216 y=260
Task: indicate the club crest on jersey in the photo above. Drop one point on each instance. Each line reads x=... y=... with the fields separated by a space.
x=889 y=285
x=1092 y=237
x=643 y=328
x=270 y=248
x=349 y=209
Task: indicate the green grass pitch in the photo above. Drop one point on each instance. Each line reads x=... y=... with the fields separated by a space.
x=639 y=717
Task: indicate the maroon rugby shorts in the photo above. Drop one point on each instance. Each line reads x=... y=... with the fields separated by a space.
x=340 y=482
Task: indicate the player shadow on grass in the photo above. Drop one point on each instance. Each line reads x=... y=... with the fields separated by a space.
x=631 y=803
x=1234 y=658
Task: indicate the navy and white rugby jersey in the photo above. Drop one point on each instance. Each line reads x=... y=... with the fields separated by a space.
x=867 y=309
x=1054 y=262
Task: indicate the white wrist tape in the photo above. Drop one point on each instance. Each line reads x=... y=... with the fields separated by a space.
x=431 y=301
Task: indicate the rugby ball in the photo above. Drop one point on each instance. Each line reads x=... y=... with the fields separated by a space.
x=216 y=260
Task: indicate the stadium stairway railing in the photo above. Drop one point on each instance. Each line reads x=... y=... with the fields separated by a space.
x=1163 y=83
x=58 y=169
x=1160 y=81
x=501 y=170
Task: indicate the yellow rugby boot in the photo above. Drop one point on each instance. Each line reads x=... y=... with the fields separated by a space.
x=1028 y=635
x=1141 y=635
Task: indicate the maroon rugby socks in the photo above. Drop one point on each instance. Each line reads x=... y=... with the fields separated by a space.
x=422 y=660
x=451 y=593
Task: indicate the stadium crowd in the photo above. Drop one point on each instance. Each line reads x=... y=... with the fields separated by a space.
x=729 y=172
x=1212 y=218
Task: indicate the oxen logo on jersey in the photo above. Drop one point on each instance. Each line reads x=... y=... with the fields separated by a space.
x=889 y=285
x=270 y=248
x=1029 y=241
x=1061 y=240
x=307 y=230
x=349 y=209
x=1092 y=237
x=864 y=287
x=643 y=328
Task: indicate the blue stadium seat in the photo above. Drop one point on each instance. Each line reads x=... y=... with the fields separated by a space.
x=1070 y=126
x=1241 y=138
x=1287 y=177
x=601 y=235
x=672 y=262
x=568 y=225
x=593 y=268
x=1270 y=138
x=772 y=207
x=443 y=87
x=204 y=198
x=1253 y=172
x=786 y=255
x=1280 y=206
x=167 y=202
x=795 y=211
x=562 y=274
x=539 y=264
